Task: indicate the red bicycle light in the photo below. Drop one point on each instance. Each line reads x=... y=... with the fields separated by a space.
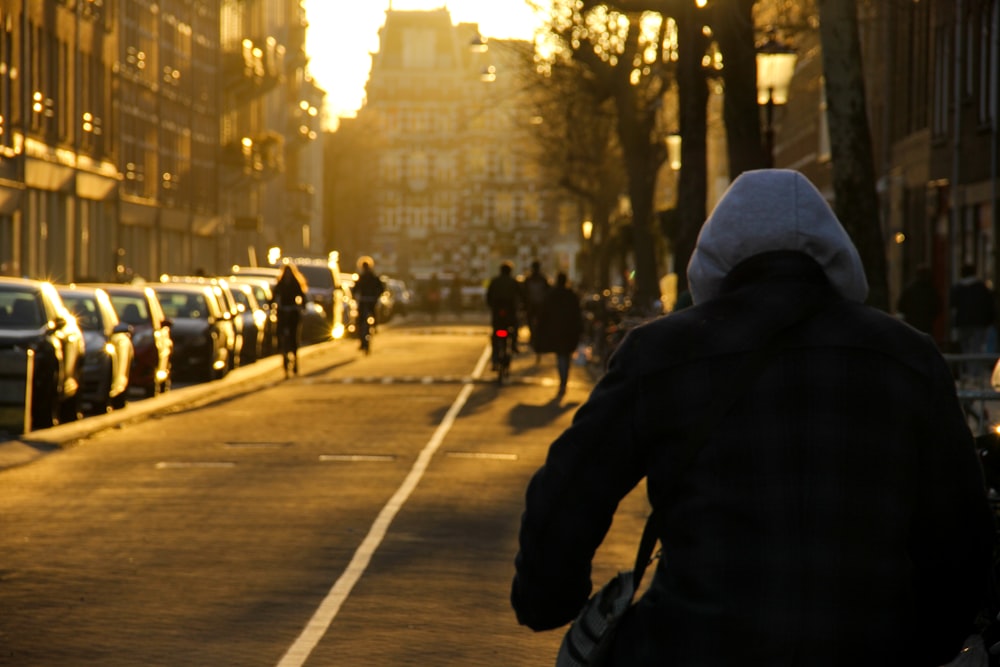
x=501 y=333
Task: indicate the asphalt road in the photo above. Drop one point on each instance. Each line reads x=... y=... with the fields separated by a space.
x=363 y=513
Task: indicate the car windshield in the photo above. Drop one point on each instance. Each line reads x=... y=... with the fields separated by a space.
x=131 y=309
x=316 y=275
x=183 y=304
x=84 y=309
x=19 y=310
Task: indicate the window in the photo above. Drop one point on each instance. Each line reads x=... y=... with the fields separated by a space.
x=942 y=64
x=989 y=68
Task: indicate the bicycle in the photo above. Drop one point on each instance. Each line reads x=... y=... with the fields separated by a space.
x=288 y=345
x=503 y=339
x=366 y=328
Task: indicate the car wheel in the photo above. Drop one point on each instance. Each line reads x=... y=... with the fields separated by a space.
x=69 y=409
x=102 y=405
x=43 y=406
x=119 y=401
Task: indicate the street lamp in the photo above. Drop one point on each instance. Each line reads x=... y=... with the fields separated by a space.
x=775 y=67
x=587 y=229
x=673 y=142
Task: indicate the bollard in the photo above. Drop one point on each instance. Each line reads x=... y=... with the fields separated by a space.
x=29 y=377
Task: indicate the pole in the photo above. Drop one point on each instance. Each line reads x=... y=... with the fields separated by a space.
x=953 y=198
x=29 y=380
x=769 y=129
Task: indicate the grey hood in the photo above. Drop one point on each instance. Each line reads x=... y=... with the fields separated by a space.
x=767 y=210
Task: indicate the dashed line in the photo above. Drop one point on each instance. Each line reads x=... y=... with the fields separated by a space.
x=357 y=457
x=173 y=465
x=431 y=380
x=490 y=456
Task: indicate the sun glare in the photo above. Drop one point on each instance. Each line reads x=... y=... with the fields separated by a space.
x=343 y=34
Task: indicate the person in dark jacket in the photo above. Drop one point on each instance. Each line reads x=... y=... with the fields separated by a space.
x=919 y=303
x=503 y=298
x=535 y=288
x=836 y=513
x=559 y=325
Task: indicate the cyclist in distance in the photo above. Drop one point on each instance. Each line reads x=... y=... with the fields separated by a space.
x=369 y=288
x=503 y=299
x=289 y=297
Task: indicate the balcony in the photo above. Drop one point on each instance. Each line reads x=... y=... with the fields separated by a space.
x=252 y=68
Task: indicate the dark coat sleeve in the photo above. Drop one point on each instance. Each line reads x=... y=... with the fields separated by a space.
x=953 y=536
x=571 y=501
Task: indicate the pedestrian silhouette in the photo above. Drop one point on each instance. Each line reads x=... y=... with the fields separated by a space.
x=559 y=326
x=919 y=303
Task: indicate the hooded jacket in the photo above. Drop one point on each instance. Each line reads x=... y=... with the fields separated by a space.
x=836 y=512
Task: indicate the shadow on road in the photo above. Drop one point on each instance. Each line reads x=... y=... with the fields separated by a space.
x=524 y=417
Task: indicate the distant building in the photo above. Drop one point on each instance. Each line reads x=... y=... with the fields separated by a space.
x=458 y=187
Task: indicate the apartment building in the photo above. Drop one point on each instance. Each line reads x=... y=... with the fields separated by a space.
x=458 y=187
x=141 y=137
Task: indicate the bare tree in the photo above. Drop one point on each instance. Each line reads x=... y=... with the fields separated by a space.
x=576 y=134
x=622 y=56
x=856 y=201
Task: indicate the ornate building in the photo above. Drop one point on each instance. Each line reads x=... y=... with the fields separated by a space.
x=458 y=184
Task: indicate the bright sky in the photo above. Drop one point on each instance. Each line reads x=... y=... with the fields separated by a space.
x=342 y=34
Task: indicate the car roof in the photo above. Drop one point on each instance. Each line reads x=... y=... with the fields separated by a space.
x=182 y=287
x=19 y=282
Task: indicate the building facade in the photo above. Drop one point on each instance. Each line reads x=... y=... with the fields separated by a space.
x=932 y=75
x=458 y=188
x=117 y=120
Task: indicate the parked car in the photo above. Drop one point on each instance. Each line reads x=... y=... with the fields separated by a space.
x=139 y=307
x=108 y=348
x=33 y=317
x=263 y=291
x=230 y=310
x=254 y=320
x=402 y=297
x=201 y=329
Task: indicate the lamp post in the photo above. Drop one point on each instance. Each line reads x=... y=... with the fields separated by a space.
x=587 y=229
x=775 y=67
x=673 y=142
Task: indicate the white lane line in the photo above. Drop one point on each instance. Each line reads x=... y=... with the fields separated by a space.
x=352 y=458
x=489 y=456
x=317 y=626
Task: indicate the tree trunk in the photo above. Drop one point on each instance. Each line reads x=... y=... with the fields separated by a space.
x=856 y=202
x=733 y=27
x=635 y=125
x=692 y=187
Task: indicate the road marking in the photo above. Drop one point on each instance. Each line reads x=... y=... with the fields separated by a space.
x=357 y=457
x=171 y=465
x=317 y=626
x=440 y=379
x=490 y=456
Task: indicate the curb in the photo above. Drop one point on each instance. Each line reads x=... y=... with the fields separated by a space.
x=36 y=444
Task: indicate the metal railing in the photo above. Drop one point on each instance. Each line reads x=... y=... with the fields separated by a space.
x=973 y=375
